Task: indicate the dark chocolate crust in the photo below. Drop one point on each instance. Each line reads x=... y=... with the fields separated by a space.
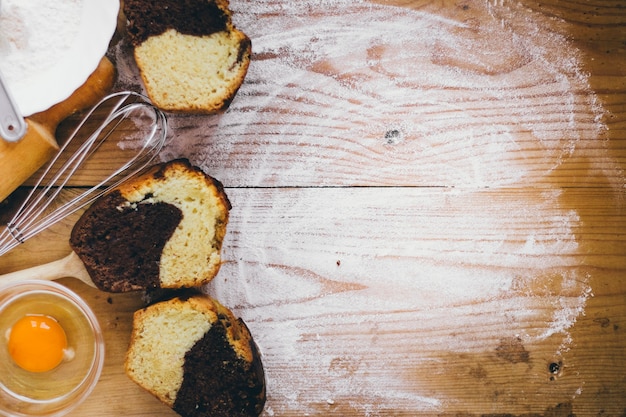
x=226 y=386
x=192 y=17
x=121 y=245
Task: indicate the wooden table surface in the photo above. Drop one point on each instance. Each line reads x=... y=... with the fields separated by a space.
x=429 y=213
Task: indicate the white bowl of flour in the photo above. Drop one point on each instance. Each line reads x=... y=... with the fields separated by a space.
x=49 y=48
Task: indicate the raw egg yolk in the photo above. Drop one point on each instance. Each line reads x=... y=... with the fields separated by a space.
x=37 y=343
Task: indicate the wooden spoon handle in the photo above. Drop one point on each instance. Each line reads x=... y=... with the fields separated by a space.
x=69 y=266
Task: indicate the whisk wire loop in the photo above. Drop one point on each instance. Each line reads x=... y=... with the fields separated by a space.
x=30 y=220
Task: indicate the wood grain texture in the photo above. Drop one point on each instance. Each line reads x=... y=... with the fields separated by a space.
x=431 y=100
x=452 y=244
x=478 y=303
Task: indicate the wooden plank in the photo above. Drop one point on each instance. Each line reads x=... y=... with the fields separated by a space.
x=414 y=102
x=408 y=301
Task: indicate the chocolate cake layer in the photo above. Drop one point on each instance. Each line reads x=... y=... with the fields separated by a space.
x=121 y=244
x=228 y=386
x=190 y=17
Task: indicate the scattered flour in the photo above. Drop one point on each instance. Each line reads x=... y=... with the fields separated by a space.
x=423 y=98
x=404 y=92
x=34 y=34
x=444 y=284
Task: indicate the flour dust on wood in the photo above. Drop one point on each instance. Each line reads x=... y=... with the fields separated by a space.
x=375 y=295
x=343 y=93
x=483 y=97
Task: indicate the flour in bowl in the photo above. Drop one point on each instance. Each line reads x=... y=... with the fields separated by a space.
x=34 y=35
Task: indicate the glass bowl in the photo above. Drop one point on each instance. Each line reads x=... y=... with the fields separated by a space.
x=57 y=391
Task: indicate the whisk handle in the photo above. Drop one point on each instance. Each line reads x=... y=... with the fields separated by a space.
x=69 y=266
x=19 y=160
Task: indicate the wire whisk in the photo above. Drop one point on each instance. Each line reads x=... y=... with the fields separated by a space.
x=33 y=215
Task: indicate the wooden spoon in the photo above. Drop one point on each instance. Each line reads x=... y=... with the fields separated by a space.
x=68 y=267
